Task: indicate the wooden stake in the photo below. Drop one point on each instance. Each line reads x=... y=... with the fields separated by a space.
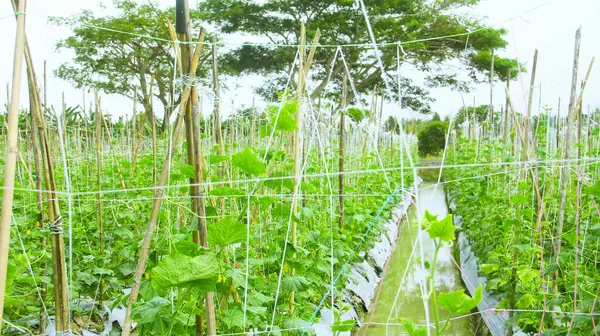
x=527 y=116
x=564 y=177
x=342 y=149
x=11 y=153
x=99 y=182
x=297 y=146
x=491 y=108
x=38 y=186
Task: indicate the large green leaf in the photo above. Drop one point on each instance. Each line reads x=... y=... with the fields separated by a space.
x=233 y=318
x=286 y=120
x=443 y=229
x=214 y=159
x=294 y=283
x=151 y=310
x=226 y=232
x=248 y=162
x=458 y=302
x=593 y=190
x=178 y=270
x=188 y=171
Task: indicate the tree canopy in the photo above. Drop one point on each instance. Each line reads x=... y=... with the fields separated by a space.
x=432 y=138
x=467 y=113
x=342 y=23
x=121 y=63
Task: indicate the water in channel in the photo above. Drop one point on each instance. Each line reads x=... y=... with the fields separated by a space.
x=402 y=281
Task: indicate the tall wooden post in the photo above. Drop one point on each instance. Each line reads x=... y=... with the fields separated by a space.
x=99 y=118
x=11 y=153
x=342 y=152
x=297 y=142
x=564 y=177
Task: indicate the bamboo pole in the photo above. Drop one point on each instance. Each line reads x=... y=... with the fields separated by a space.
x=491 y=107
x=217 y=136
x=110 y=139
x=297 y=145
x=558 y=127
x=133 y=124
x=38 y=186
x=342 y=150
x=564 y=177
x=153 y=129
x=59 y=275
x=11 y=156
x=99 y=182
x=527 y=116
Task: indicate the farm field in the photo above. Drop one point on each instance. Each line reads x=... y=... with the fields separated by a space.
x=300 y=183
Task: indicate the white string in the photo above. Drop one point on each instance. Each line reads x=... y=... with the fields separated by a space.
x=315 y=175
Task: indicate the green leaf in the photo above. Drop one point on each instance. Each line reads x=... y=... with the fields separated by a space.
x=103 y=271
x=258 y=311
x=489 y=268
x=248 y=162
x=226 y=232
x=281 y=210
x=357 y=115
x=458 y=302
x=188 y=171
x=233 y=318
x=86 y=278
x=342 y=326
x=214 y=159
x=294 y=283
x=279 y=184
x=593 y=190
x=178 y=270
x=443 y=229
x=527 y=274
x=151 y=310
x=286 y=120
x=411 y=328
x=520 y=199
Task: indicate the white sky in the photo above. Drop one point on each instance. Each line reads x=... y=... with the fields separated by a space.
x=549 y=28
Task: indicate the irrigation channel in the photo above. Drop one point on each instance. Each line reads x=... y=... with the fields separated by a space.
x=400 y=295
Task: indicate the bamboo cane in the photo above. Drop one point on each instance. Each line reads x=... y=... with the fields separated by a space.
x=341 y=155
x=99 y=182
x=11 y=157
x=297 y=146
x=564 y=177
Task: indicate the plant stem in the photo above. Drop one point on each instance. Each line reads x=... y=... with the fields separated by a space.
x=436 y=316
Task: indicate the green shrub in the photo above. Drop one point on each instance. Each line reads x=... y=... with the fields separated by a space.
x=432 y=138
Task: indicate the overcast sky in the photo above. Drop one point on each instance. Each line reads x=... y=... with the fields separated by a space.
x=548 y=25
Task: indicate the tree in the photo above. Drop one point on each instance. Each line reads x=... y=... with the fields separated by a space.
x=432 y=138
x=391 y=125
x=436 y=117
x=122 y=63
x=464 y=114
x=341 y=23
